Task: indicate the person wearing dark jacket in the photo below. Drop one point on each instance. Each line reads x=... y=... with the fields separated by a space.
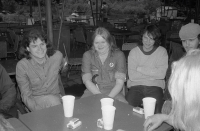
x=8 y=95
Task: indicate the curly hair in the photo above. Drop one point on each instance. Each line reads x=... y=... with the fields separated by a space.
x=31 y=36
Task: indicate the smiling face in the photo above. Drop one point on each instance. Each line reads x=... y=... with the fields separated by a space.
x=101 y=45
x=148 y=42
x=190 y=44
x=37 y=49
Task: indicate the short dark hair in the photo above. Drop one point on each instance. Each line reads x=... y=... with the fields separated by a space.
x=33 y=35
x=154 y=31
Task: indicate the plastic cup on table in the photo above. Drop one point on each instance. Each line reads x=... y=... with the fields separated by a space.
x=108 y=116
x=106 y=101
x=68 y=105
x=149 y=104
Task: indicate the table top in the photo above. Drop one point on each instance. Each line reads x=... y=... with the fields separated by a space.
x=17 y=124
x=88 y=110
x=9 y=65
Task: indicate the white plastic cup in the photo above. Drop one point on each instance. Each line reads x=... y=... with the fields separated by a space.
x=108 y=115
x=106 y=101
x=68 y=105
x=149 y=104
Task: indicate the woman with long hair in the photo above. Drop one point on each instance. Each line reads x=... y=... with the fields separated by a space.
x=104 y=66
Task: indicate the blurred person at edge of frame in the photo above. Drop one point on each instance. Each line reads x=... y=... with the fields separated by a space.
x=184 y=90
x=190 y=37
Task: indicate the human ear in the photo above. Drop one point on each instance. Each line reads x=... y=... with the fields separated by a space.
x=28 y=49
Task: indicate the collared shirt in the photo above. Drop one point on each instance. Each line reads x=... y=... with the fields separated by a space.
x=35 y=80
x=113 y=68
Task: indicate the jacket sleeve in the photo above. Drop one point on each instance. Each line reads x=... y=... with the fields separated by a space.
x=86 y=67
x=7 y=90
x=24 y=86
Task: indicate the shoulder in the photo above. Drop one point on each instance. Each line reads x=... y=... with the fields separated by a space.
x=23 y=64
x=161 y=50
x=134 y=50
x=57 y=54
x=88 y=54
x=23 y=61
x=118 y=53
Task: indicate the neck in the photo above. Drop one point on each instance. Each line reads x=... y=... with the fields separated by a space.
x=147 y=50
x=39 y=60
x=104 y=53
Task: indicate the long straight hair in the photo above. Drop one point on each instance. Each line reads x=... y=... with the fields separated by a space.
x=184 y=87
x=103 y=32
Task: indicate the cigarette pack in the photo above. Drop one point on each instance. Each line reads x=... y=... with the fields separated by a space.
x=73 y=123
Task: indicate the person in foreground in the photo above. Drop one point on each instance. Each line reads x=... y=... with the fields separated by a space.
x=104 y=67
x=5 y=124
x=190 y=37
x=8 y=95
x=37 y=74
x=184 y=89
x=147 y=65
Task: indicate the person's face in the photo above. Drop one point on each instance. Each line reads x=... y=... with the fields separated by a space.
x=190 y=44
x=101 y=45
x=37 y=48
x=148 y=42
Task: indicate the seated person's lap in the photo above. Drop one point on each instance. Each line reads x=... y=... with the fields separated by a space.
x=137 y=93
x=119 y=97
x=46 y=101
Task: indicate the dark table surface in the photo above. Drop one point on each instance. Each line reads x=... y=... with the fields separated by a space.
x=18 y=125
x=88 y=110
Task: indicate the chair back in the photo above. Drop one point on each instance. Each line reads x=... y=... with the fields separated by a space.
x=79 y=35
x=15 y=40
x=89 y=35
x=3 y=49
x=61 y=87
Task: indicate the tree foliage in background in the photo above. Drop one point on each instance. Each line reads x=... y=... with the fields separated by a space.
x=116 y=7
x=9 y=5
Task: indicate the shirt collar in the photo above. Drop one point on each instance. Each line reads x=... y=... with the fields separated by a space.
x=34 y=62
x=96 y=54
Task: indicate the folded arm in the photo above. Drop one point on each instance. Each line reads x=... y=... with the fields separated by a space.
x=159 y=70
x=133 y=73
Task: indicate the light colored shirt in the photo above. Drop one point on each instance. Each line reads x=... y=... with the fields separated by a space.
x=113 y=68
x=148 y=70
x=36 y=80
